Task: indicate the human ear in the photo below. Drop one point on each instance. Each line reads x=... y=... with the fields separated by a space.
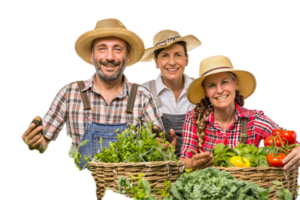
x=187 y=60
x=128 y=55
x=91 y=56
x=236 y=84
x=157 y=66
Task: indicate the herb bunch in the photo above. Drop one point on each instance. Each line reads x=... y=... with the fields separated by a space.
x=140 y=147
x=142 y=189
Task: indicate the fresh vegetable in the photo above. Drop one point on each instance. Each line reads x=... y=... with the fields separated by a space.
x=141 y=147
x=142 y=189
x=289 y=135
x=276 y=132
x=74 y=153
x=222 y=154
x=275 y=160
x=283 y=194
x=269 y=141
x=240 y=161
x=211 y=183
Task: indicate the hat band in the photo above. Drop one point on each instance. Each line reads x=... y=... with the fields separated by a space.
x=213 y=70
x=167 y=41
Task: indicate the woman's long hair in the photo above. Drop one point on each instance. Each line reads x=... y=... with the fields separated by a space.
x=203 y=109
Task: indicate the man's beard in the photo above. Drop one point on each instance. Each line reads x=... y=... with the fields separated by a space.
x=113 y=77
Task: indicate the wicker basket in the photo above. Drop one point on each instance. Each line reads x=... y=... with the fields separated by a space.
x=264 y=176
x=107 y=174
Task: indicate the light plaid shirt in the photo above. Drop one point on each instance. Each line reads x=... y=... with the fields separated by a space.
x=67 y=106
x=259 y=127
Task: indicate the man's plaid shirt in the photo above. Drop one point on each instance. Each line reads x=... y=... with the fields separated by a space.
x=259 y=127
x=68 y=107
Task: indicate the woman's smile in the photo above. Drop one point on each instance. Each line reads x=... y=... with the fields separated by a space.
x=222 y=98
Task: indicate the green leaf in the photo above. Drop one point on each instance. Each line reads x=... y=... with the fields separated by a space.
x=280 y=193
x=277 y=183
x=101 y=140
x=219 y=148
x=83 y=143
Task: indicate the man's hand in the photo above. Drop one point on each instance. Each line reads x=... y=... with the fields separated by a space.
x=292 y=160
x=201 y=160
x=34 y=139
x=174 y=141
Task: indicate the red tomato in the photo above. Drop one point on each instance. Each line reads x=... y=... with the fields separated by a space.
x=275 y=161
x=269 y=141
x=289 y=135
x=276 y=132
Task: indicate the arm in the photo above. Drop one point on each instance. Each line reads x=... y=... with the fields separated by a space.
x=189 y=142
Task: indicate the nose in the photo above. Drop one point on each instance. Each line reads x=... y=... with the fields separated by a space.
x=172 y=61
x=219 y=89
x=109 y=55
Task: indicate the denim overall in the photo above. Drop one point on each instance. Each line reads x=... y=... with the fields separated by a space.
x=94 y=131
x=170 y=121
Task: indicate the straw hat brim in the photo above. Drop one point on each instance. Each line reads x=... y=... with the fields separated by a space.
x=191 y=43
x=84 y=42
x=246 y=82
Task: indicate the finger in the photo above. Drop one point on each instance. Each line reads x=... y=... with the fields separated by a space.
x=33 y=141
x=193 y=152
x=290 y=163
x=159 y=139
x=208 y=164
x=34 y=132
x=202 y=163
x=202 y=155
x=38 y=142
x=29 y=129
x=172 y=133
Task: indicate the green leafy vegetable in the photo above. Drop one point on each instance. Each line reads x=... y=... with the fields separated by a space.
x=211 y=183
x=131 y=147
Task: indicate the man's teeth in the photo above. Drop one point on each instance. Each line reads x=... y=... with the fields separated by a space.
x=222 y=97
x=172 y=70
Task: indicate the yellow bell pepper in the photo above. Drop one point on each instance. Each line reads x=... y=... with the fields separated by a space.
x=238 y=162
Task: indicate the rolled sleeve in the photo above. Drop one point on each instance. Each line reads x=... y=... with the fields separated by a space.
x=54 y=119
x=189 y=136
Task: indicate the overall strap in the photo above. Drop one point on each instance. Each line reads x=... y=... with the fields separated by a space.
x=131 y=99
x=84 y=96
x=154 y=93
x=244 y=134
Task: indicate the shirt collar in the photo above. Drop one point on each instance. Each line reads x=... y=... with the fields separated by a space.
x=160 y=86
x=125 y=92
x=239 y=112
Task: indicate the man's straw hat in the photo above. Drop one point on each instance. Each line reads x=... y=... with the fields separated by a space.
x=108 y=28
x=218 y=64
x=165 y=38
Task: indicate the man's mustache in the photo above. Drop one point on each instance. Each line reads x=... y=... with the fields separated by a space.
x=111 y=62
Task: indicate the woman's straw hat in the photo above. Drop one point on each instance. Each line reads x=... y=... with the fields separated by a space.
x=108 y=28
x=218 y=64
x=165 y=38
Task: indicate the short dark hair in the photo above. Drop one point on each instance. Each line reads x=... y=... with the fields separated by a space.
x=182 y=43
x=93 y=43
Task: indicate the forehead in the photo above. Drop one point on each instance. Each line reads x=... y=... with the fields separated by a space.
x=173 y=49
x=214 y=78
x=110 y=41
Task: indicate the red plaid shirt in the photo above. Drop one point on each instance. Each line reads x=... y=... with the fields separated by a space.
x=259 y=127
x=67 y=107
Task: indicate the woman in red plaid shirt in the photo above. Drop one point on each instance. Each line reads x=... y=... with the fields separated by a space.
x=219 y=96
